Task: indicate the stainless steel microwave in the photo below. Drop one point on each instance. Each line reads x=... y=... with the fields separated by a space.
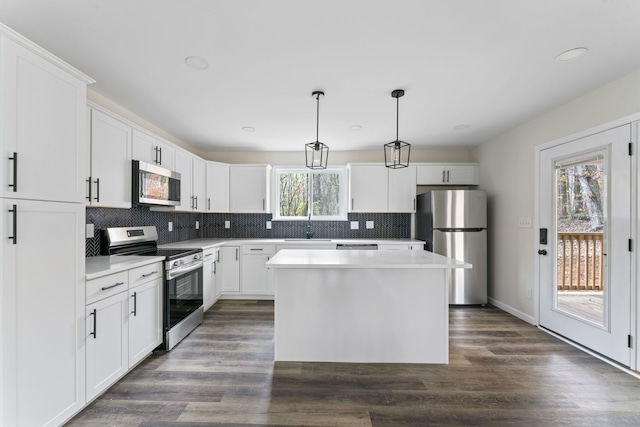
x=154 y=185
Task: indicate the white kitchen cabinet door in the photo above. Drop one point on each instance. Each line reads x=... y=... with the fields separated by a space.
x=145 y=320
x=42 y=137
x=106 y=342
x=447 y=174
x=42 y=310
x=184 y=166
x=199 y=177
x=256 y=278
x=229 y=269
x=462 y=174
x=209 y=284
x=110 y=172
x=152 y=150
x=368 y=186
x=217 y=187
x=402 y=189
x=248 y=188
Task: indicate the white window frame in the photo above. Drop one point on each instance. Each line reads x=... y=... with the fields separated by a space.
x=344 y=190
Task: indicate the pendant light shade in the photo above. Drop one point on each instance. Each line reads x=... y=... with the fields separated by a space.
x=396 y=153
x=317 y=153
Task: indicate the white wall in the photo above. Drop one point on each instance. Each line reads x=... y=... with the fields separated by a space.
x=507 y=173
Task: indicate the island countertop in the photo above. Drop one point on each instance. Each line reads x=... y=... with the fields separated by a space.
x=309 y=258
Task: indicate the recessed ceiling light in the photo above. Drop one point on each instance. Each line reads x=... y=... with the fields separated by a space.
x=461 y=127
x=571 y=54
x=248 y=129
x=355 y=128
x=196 y=62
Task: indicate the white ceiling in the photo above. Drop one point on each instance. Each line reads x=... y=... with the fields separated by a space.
x=488 y=64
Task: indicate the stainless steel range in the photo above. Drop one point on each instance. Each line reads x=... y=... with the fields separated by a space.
x=183 y=277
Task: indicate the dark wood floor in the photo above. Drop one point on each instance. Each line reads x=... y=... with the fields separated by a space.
x=502 y=371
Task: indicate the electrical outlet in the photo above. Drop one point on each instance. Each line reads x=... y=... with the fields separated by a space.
x=89 y=231
x=197 y=225
x=529 y=293
x=524 y=222
x=369 y=224
x=268 y=225
x=227 y=224
x=355 y=225
x=170 y=226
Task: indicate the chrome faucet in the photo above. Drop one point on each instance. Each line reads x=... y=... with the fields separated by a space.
x=309 y=233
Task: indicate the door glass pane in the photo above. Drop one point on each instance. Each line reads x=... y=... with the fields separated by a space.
x=581 y=226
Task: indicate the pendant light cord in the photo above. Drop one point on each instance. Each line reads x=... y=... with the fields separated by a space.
x=317 y=116
x=397 y=117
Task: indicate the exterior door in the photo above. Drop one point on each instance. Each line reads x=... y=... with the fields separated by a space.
x=585 y=262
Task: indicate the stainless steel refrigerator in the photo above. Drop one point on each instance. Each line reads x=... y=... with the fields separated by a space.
x=453 y=223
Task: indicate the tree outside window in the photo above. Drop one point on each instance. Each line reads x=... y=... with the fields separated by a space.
x=298 y=189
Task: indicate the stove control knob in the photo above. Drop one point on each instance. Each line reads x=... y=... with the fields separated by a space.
x=196 y=257
x=176 y=263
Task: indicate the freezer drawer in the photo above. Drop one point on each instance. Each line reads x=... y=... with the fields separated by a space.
x=466 y=286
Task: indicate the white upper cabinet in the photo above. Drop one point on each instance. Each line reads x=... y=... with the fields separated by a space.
x=447 y=174
x=199 y=177
x=402 y=189
x=184 y=166
x=110 y=172
x=217 y=187
x=249 y=188
x=368 y=188
x=152 y=150
x=42 y=137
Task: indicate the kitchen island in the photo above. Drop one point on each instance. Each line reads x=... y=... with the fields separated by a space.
x=362 y=306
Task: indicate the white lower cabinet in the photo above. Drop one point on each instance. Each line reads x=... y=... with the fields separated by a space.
x=123 y=323
x=211 y=286
x=145 y=320
x=107 y=342
x=255 y=278
x=42 y=306
x=229 y=273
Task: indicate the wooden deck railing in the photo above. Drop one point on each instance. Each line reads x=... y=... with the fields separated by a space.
x=580 y=261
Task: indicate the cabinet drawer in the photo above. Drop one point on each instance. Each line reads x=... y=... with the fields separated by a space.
x=140 y=275
x=393 y=247
x=258 y=249
x=209 y=254
x=106 y=286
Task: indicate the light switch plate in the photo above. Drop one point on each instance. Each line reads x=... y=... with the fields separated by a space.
x=170 y=226
x=197 y=225
x=88 y=231
x=355 y=225
x=227 y=224
x=268 y=225
x=369 y=224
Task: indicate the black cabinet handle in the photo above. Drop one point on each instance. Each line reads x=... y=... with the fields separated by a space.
x=209 y=200
x=155 y=155
x=447 y=176
x=443 y=172
x=105 y=288
x=135 y=304
x=88 y=181
x=15 y=225
x=196 y=197
x=97 y=181
x=160 y=150
x=95 y=323
x=149 y=274
x=15 y=172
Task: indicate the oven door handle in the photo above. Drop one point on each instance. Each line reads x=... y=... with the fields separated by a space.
x=175 y=273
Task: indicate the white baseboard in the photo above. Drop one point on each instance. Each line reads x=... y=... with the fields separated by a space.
x=517 y=313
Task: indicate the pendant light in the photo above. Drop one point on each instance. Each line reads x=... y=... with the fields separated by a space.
x=396 y=153
x=316 y=153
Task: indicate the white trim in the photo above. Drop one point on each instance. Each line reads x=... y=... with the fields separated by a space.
x=517 y=313
x=44 y=54
x=590 y=352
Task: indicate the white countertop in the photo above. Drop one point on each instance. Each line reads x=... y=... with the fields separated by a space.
x=309 y=258
x=208 y=243
x=99 y=266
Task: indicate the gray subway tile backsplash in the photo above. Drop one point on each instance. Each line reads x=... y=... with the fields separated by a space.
x=386 y=226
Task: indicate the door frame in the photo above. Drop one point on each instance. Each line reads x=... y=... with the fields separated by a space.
x=634 y=120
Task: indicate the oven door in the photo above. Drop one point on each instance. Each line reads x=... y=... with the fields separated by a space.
x=183 y=294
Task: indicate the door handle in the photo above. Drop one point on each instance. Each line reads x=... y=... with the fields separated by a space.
x=97 y=182
x=14 y=238
x=15 y=172
x=94 y=313
x=135 y=304
x=542 y=252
